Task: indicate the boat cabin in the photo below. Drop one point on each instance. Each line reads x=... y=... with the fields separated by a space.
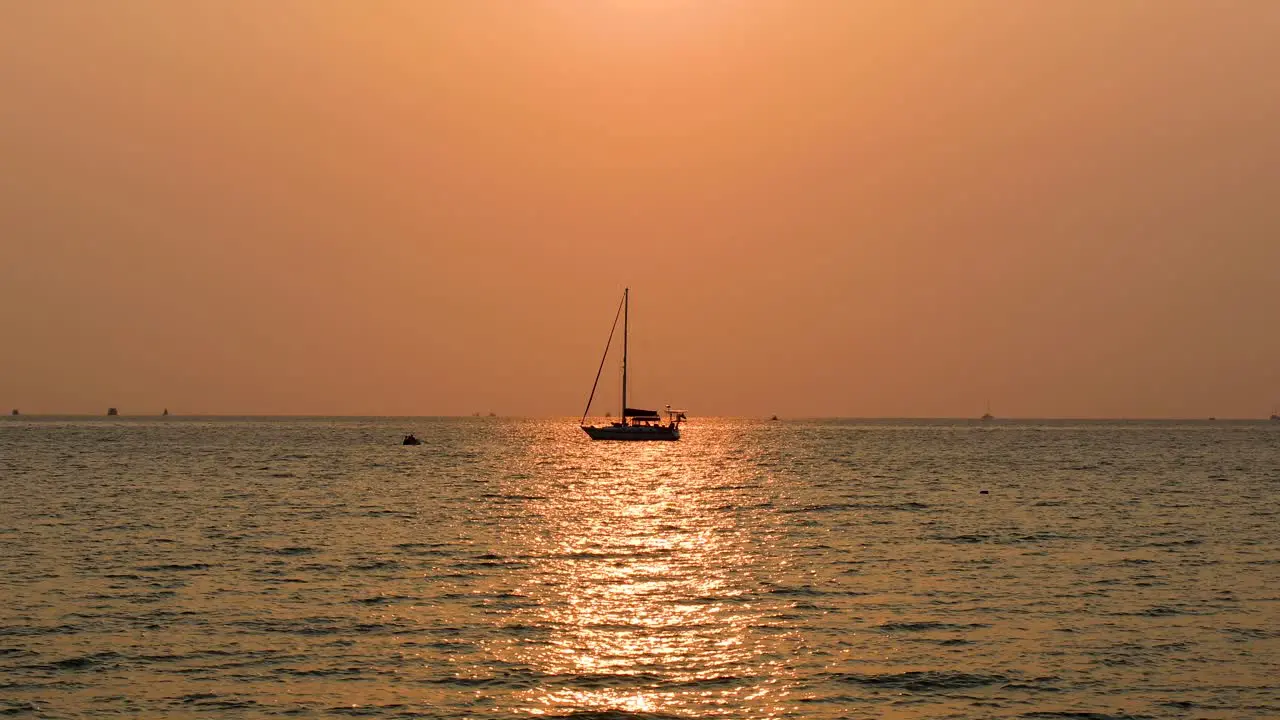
x=645 y=418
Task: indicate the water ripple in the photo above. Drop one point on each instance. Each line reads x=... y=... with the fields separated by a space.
x=827 y=569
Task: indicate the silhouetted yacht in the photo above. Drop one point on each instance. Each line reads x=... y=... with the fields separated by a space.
x=635 y=424
x=111 y=412
x=987 y=415
x=410 y=440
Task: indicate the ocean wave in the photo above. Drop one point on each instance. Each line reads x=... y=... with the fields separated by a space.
x=36 y=630
x=910 y=506
x=81 y=662
x=173 y=567
x=920 y=681
x=292 y=550
x=1079 y=715
x=927 y=626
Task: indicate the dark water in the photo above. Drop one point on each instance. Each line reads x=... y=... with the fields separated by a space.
x=253 y=568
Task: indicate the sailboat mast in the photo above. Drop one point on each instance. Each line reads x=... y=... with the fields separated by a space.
x=626 y=311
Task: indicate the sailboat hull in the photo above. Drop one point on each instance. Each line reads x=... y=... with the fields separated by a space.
x=632 y=432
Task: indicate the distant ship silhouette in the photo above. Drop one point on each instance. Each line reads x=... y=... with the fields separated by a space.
x=112 y=411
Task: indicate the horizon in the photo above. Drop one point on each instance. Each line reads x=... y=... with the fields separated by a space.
x=575 y=418
x=822 y=209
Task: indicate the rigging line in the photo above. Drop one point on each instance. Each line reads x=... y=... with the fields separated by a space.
x=602 y=359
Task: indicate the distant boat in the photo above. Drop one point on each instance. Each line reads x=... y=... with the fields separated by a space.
x=987 y=415
x=1275 y=415
x=165 y=413
x=15 y=412
x=111 y=412
x=491 y=414
x=775 y=417
x=635 y=424
x=410 y=440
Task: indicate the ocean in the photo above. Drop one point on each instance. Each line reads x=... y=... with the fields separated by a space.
x=314 y=567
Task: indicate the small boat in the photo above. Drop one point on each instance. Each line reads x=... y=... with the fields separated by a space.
x=165 y=413
x=15 y=413
x=410 y=440
x=635 y=424
x=775 y=417
x=987 y=415
x=1275 y=415
x=112 y=412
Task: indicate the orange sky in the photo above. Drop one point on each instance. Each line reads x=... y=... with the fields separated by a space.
x=823 y=207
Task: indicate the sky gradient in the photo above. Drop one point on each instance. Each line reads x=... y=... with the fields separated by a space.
x=823 y=207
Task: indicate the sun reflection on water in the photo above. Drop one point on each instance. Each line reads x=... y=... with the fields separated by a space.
x=642 y=586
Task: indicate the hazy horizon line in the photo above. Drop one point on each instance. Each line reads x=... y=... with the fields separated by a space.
x=767 y=418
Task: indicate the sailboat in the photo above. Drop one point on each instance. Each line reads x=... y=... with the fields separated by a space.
x=987 y=415
x=635 y=424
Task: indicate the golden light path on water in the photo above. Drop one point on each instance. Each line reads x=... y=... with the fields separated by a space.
x=647 y=578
